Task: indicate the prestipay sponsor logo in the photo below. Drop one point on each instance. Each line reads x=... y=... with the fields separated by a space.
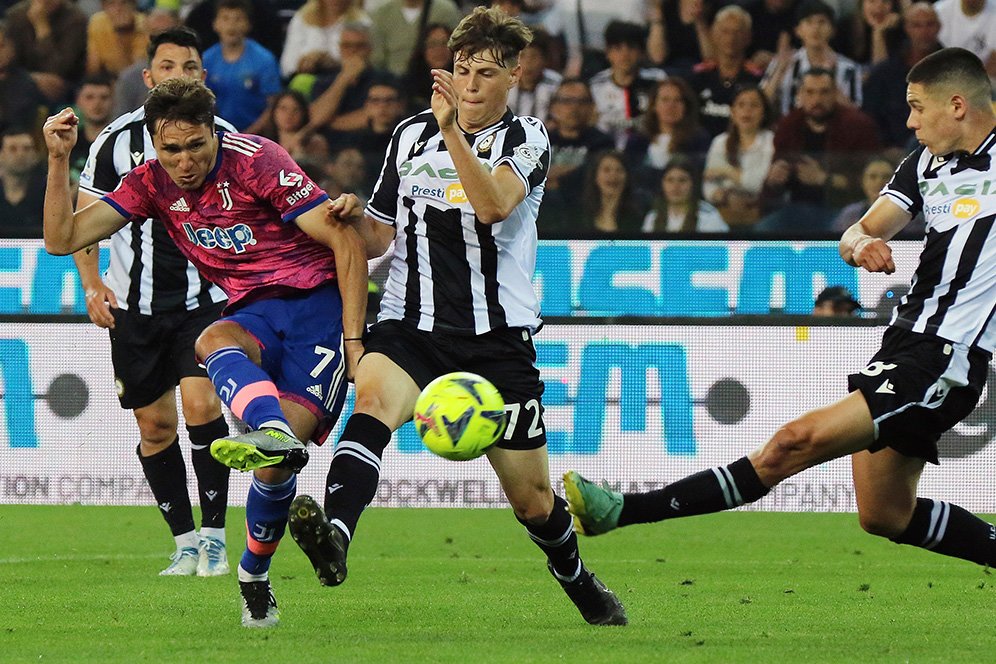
x=966 y=208
x=452 y=193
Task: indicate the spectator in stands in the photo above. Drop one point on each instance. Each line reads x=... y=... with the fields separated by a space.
x=609 y=203
x=772 y=27
x=836 y=301
x=383 y=109
x=873 y=33
x=116 y=38
x=243 y=75
x=315 y=33
x=624 y=91
x=265 y=21
x=739 y=159
x=818 y=148
x=21 y=103
x=537 y=82
x=716 y=80
x=582 y=24
x=885 y=88
x=397 y=26
x=339 y=97
x=345 y=173
x=286 y=123
x=670 y=126
x=815 y=28
x=129 y=89
x=50 y=42
x=876 y=174
x=686 y=34
x=22 y=178
x=679 y=207
x=573 y=139
x=970 y=24
x=431 y=53
x=94 y=103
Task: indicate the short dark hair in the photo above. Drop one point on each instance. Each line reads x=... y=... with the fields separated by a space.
x=490 y=29
x=179 y=36
x=96 y=79
x=817 y=71
x=624 y=33
x=809 y=8
x=955 y=69
x=179 y=100
x=840 y=296
x=245 y=6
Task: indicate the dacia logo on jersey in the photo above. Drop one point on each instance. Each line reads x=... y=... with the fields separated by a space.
x=983 y=188
x=408 y=168
x=238 y=237
x=455 y=194
x=966 y=208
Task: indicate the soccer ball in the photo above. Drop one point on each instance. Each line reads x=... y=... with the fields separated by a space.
x=459 y=416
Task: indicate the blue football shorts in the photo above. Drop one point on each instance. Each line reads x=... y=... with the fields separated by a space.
x=300 y=337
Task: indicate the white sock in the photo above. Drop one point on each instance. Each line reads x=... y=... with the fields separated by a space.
x=278 y=425
x=217 y=533
x=187 y=540
x=247 y=577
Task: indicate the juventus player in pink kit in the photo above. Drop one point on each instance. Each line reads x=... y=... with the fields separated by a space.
x=246 y=216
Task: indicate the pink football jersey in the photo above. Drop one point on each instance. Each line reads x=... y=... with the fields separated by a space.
x=238 y=229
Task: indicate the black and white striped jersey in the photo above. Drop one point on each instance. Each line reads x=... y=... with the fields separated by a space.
x=449 y=272
x=953 y=291
x=147 y=273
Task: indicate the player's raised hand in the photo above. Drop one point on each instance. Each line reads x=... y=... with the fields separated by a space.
x=444 y=100
x=347 y=208
x=99 y=301
x=60 y=131
x=874 y=255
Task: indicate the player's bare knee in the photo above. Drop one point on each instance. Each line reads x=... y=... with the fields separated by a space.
x=883 y=524
x=201 y=408
x=156 y=431
x=533 y=505
x=785 y=451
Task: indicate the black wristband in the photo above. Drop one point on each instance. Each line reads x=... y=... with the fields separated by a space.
x=352 y=338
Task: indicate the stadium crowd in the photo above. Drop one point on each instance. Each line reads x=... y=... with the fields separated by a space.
x=755 y=118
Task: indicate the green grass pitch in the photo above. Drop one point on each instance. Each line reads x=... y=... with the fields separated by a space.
x=80 y=584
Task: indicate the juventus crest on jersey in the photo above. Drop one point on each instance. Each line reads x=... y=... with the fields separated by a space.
x=449 y=272
x=148 y=274
x=953 y=293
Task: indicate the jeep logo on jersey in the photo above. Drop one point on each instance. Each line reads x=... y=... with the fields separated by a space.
x=238 y=237
x=965 y=208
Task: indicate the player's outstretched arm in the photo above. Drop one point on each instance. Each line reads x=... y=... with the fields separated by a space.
x=99 y=298
x=351 y=271
x=865 y=245
x=492 y=195
x=377 y=237
x=66 y=232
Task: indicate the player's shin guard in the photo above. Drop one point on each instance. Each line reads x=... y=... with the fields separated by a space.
x=713 y=490
x=355 y=471
x=246 y=389
x=948 y=529
x=166 y=474
x=558 y=541
x=266 y=519
x=212 y=477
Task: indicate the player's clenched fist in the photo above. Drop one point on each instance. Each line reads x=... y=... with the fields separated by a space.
x=60 y=132
x=874 y=255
